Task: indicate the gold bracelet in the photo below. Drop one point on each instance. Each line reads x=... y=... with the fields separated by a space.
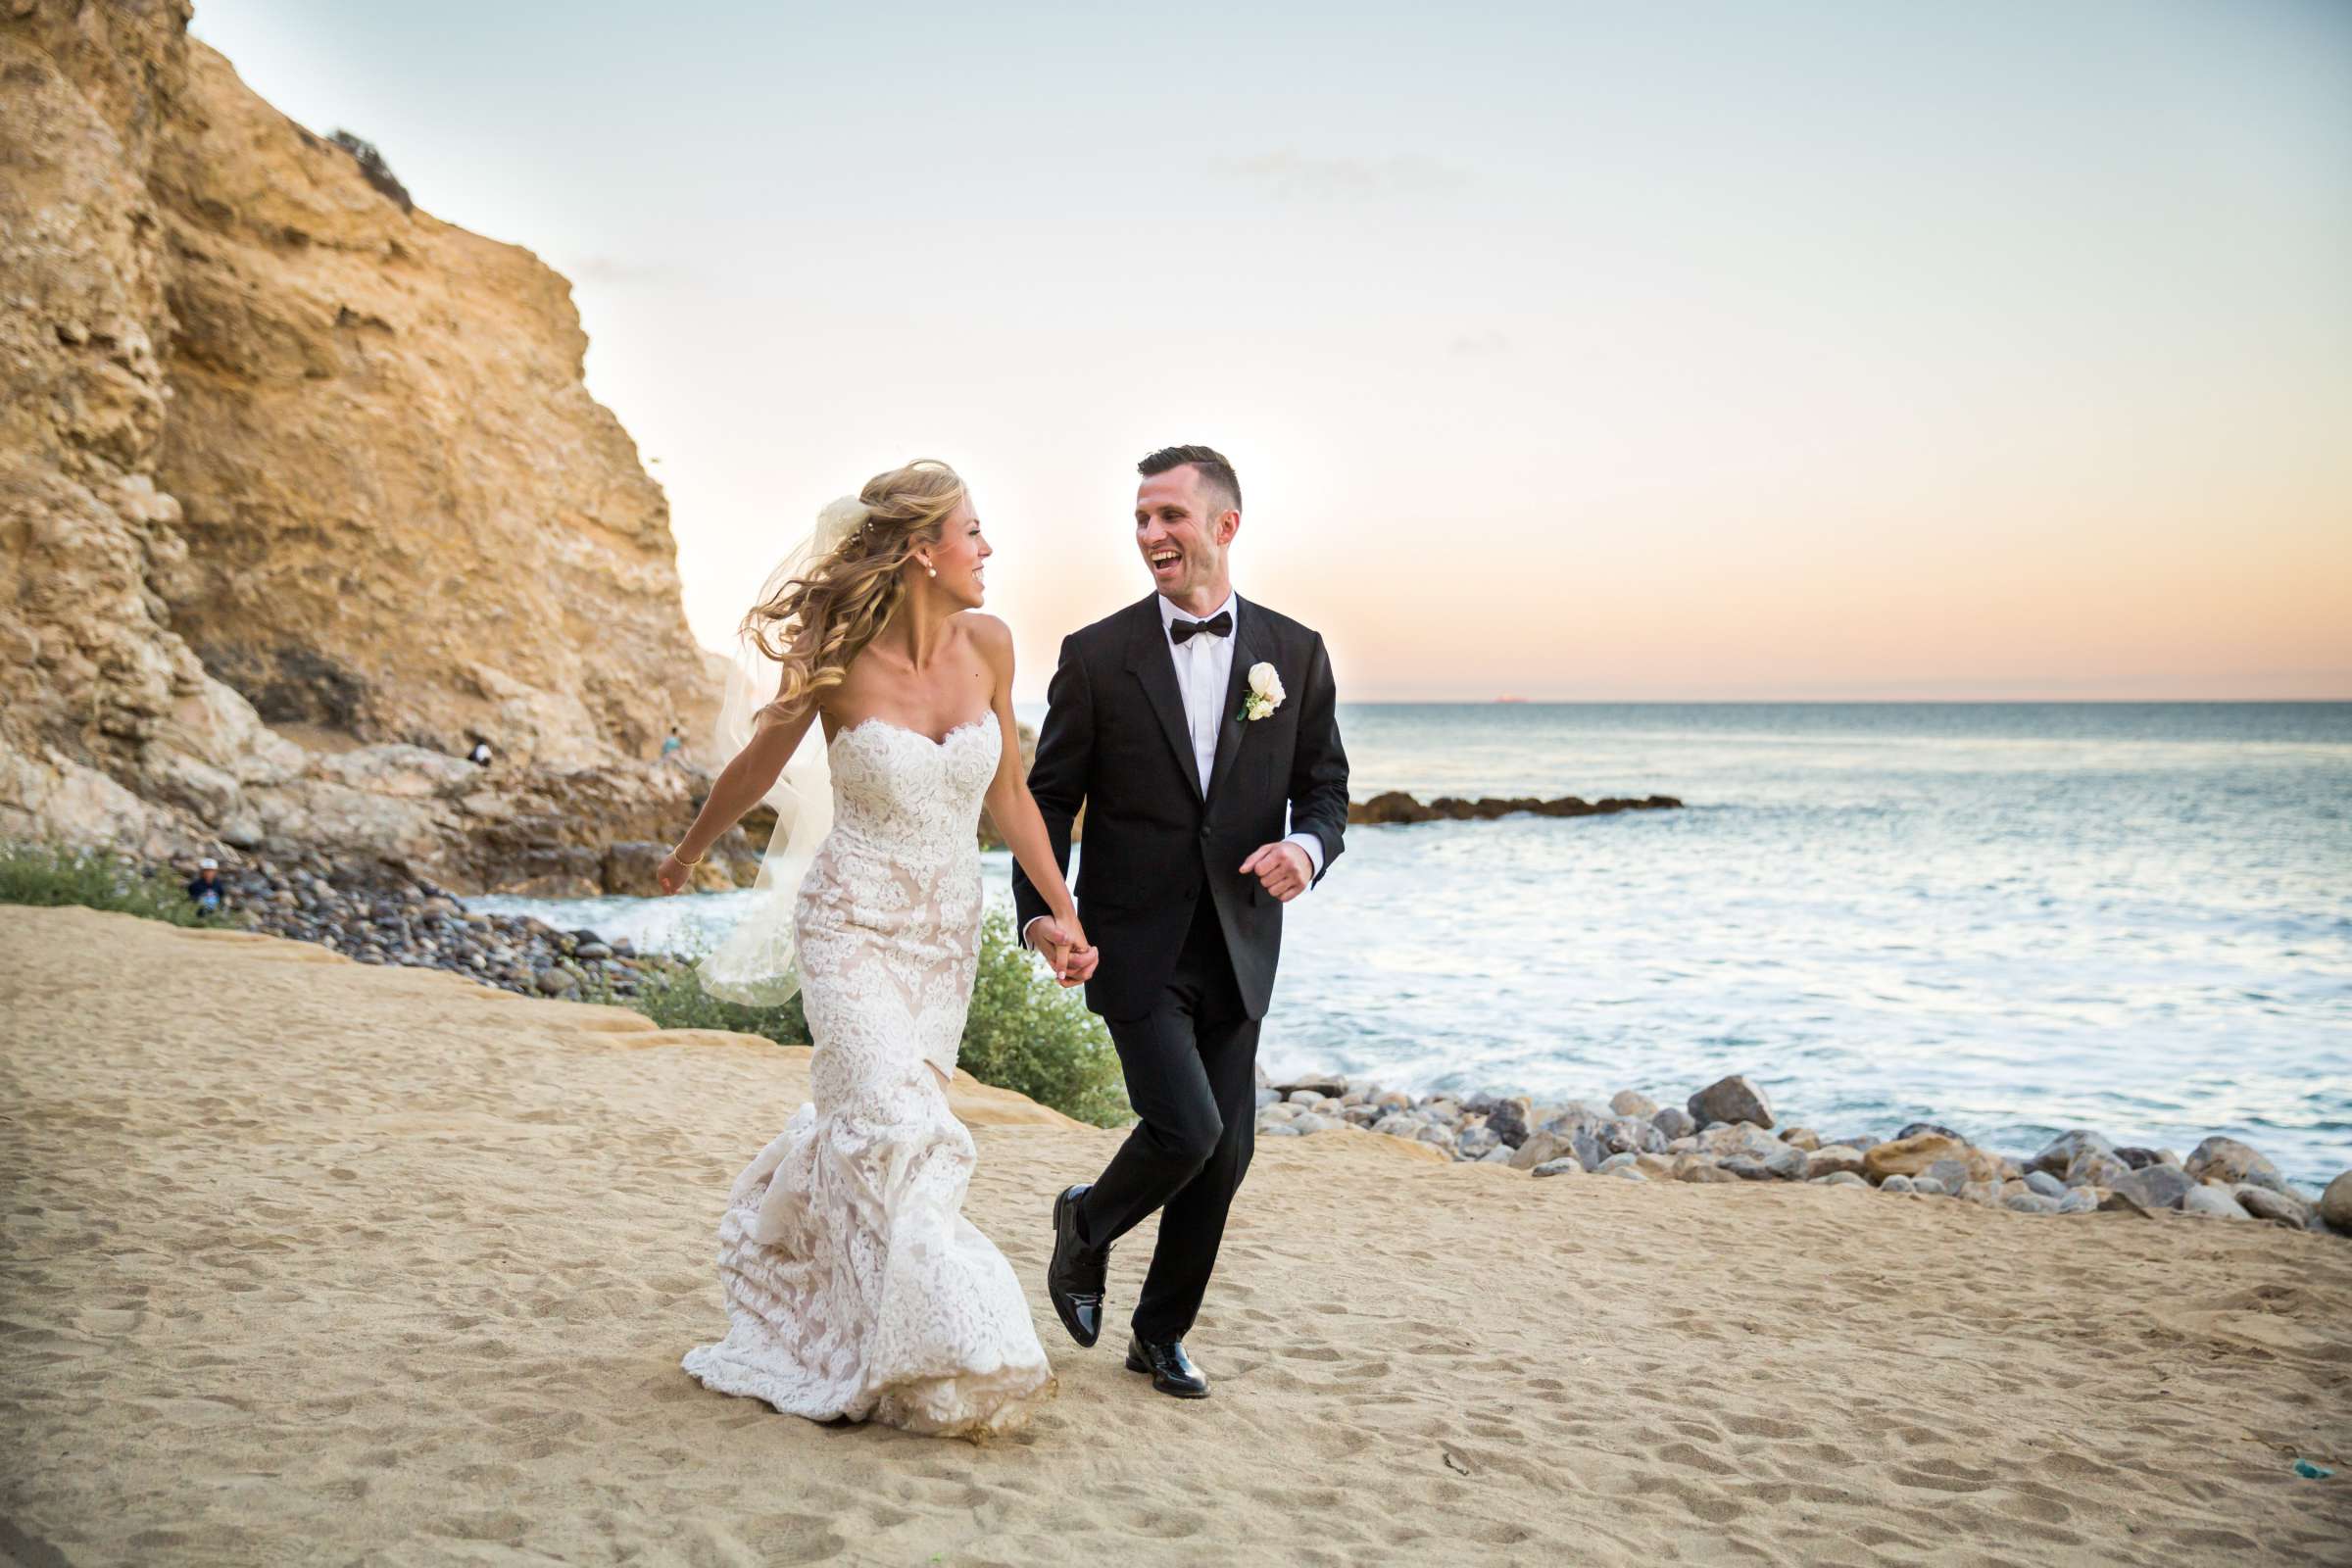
x=682 y=861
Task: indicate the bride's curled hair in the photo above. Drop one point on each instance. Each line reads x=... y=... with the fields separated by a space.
x=828 y=607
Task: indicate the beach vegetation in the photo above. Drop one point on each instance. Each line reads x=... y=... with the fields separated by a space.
x=48 y=875
x=1025 y=1033
x=374 y=169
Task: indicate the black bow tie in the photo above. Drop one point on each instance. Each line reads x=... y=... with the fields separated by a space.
x=1219 y=624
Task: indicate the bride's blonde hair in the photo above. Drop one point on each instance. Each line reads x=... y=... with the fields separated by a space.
x=820 y=619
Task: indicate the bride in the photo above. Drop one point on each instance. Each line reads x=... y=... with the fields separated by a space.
x=855 y=1285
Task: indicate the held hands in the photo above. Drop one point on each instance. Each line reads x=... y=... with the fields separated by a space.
x=1067 y=953
x=1282 y=869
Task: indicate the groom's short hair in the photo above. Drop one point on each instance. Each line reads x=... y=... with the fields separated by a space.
x=1216 y=473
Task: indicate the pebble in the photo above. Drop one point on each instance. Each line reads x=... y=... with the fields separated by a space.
x=1559 y=1167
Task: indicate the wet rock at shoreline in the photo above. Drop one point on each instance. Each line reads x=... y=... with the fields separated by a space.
x=2226 y=1160
x=2335 y=1203
x=2155 y=1186
x=1729 y=1100
x=1395 y=807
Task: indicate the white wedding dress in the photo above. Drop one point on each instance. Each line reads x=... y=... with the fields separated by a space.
x=855 y=1285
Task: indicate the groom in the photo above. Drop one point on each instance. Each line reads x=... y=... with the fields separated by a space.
x=1187 y=725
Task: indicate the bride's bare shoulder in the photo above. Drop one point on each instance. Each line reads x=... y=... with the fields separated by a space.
x=986 y=630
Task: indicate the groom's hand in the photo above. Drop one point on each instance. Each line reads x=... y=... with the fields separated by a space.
x=1282 y=869
x=1071 y=960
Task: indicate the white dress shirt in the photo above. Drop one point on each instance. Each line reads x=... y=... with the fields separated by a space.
x=1203 y=667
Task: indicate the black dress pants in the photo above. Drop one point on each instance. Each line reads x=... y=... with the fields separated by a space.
x=1190 y=1066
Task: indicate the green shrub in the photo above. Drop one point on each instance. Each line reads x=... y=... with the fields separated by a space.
x=676 y=1000
x=49 y=875
x=1024 y=1032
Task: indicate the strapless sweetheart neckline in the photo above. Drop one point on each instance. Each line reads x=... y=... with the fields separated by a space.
x=846 y=730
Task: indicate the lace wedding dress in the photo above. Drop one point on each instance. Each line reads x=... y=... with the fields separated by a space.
x=855 y=1285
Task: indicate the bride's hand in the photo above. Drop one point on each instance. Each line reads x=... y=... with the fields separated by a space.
x=1079 y=957
x=670 y=874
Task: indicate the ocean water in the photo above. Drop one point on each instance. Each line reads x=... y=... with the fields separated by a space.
x=2012 y=918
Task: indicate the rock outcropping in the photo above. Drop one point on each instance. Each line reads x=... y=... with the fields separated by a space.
x=301 y=493
x=1397 y=807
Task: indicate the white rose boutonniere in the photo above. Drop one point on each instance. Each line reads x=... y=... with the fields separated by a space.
x=1266 y=693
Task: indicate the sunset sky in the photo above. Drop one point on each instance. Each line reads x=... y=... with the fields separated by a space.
x=1603 y=351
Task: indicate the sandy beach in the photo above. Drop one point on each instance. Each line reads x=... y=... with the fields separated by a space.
x=313 y=1261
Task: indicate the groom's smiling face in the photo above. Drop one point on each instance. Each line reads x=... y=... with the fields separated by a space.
x=1183 y=527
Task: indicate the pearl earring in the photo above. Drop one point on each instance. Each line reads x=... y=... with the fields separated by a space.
x=933 y=571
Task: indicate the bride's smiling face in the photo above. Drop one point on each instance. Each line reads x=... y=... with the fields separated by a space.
x=960 y=558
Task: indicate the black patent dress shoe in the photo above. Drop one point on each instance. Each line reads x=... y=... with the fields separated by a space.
x=1074 y=1277
x=1172 y=1371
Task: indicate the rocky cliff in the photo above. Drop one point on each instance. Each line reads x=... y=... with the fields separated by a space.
x=300 y=492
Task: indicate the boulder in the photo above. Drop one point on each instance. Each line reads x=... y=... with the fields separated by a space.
x=2263 y=1203
x=1897 y=1184
x=2226 y=1160
x=1952 y=1174
x=1804 y=1138
x=1918 y=1127
x=1699 y=1168
x=1912 y=1156
x=1568 y=1166
x=2030 y=1204
x=2094 y=1167
x=1730 y=1099
x=1540 y=1147
x=1839 y=1178
x=1509 y=1119
x=1626 y=1103
x=2335 y=1203
x=1673 y=1121
x=2154 y=1186
x=1739 y=1138
x=2135 y=1157
x=2060 y=1152
x=2211 y=1201
x=1836 y=1159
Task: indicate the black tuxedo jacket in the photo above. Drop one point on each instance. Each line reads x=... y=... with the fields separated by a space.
x=1114 y=741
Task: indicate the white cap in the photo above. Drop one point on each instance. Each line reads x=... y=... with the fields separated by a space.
x=207 y=864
